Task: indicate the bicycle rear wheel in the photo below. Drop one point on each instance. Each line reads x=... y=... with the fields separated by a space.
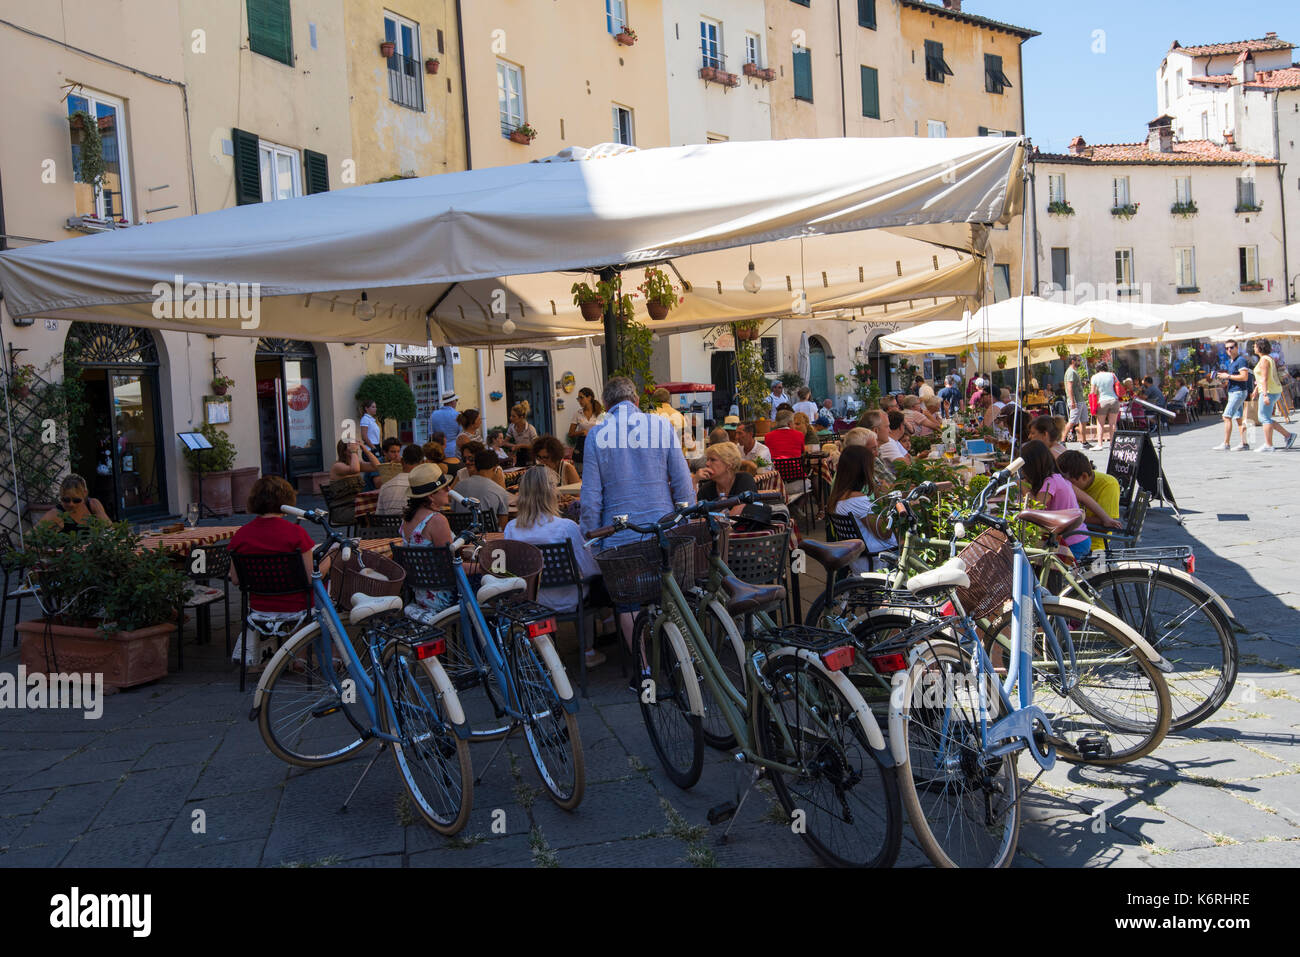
x=717 y=733
x=303 y=717
x=676 y=734
x=1180 y=619
x=844 y=801
x=476 y=686
x=550 y=730
x=963 y=806
x=431 y=758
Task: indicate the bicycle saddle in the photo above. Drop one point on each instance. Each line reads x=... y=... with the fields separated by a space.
x=493 y=586
x=744 y=597
x=951 y=574
x=1055 y=523
x=363 y=606
x=833 y=555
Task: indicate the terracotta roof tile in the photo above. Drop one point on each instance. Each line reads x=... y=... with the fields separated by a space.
x=1184 y=151
x=1286 y=79
x=1212 y=80
x=1236 y=46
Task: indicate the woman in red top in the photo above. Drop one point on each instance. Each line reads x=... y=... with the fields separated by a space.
x=271 y=533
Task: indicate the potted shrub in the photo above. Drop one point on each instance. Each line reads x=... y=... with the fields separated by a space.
x=391 y=394
x=1002 y=362
x=746 y=330
x=116 y=604
x=589 y=301
x=431 y=65
x=523 y=133
x=387 y=48
x=217 y=463
x=626 y=36
x=1063 y=352
x=21 y=379
x=221 y=384
x=660 y=293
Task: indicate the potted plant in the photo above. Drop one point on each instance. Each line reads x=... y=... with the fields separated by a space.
x=431 y=65
x=1184 y=209
x=626 y=36
x=1002 y=362
x=387 y=48
x=1125 y=212
x=1063 y=352
x=1060 y=207
x=523 y=133
x=21 y=379
x=114 y=604
x=792 y=381
x=91 y=166
x=751 y=383
x=746 y=330
x=217 y=463
x=708 y=73
x=221 y=384
x=589 y=301
x=660 y=293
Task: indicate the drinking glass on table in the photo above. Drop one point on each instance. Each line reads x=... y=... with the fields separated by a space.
x=192 y=515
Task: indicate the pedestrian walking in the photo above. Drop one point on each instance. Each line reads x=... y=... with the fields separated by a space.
x=1240 y=384
x=1075 y=403
x=1268 y=389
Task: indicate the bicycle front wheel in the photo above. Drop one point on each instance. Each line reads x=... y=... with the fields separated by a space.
x=842 y=799
x=431 y=758
x=550 y=730
x=717 y=733
x=964 y=805
x=1113 y=706
x=1180 y=619
x=309 y=715
x=676 y=734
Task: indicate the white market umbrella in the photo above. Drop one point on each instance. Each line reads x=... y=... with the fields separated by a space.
x=804 y=359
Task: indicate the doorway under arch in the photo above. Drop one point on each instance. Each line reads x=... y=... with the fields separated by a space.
x=821 y=373
x=288 y=408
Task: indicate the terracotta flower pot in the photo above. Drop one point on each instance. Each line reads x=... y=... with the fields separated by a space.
x=220 y=389
x=387 y=48
x=517 y=137
x=125 y=658
x=216 y=491
x=762 y=426
x=750 y=69
x=625 y=38
x=657 y=310
x=241 y=483
x=431 y=65
x=592 y=311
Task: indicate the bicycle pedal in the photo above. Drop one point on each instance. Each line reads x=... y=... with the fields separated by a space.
x=722 y=812
x=1094 y=745
x=323 y=708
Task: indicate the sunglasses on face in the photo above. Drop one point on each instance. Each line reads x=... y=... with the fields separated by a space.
x=67 y=500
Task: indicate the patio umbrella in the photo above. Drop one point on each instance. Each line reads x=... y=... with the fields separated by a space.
x=804 y=362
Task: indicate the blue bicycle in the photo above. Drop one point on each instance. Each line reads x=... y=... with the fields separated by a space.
x=318 y=703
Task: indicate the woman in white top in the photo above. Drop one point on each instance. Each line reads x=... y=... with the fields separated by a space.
x=370 y=433
x=539 y=523
x=585 y=418
x=521 y=433
x=853 y=493
x=805 y=404
x=1103 y=384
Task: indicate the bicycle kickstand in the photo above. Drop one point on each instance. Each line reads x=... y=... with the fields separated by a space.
x=504 y=738
x=731 y=811
x=366 y=770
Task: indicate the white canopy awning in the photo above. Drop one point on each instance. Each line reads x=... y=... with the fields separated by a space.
x=471 y=249
x=1259 y=323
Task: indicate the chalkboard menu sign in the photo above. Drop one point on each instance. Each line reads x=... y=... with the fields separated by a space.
x=1133 y=461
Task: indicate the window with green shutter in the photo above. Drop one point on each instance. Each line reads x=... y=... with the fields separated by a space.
x=248 y=171
x=803 y=74
x=317 y=168
x=867 y=14
x=870 y=92
x=269 y=30
x=995 y=81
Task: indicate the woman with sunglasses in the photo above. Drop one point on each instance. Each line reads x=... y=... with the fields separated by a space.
x=75 y=504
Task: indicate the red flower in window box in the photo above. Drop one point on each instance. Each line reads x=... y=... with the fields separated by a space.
x=523 y=134
x=626 y=36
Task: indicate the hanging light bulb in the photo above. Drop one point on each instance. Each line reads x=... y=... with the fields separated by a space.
x=365 y=308
x=802 y=307
x=508 y=327
x=654 y=337
x=753 y=282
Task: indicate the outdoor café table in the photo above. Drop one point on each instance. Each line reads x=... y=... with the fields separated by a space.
x=573 y=488
x=180 y=543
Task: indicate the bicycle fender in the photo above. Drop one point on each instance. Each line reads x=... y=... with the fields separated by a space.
x=733 y=634
x=450 y=699
x=559 y=677
x=1191 y=580
x=282 y=652
x=854 y=697
x=1085 y=609
x=691 y=680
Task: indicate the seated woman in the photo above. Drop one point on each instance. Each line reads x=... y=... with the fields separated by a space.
x=539 y=523
x=270 y=533
x=354 y=460
x=548 y=451
x=726 y=473
x=853 y=493
x=471 y=429
x=801 y=423
x=497 y=443
x=424 y=524
x=76 y=505
x=918 y=418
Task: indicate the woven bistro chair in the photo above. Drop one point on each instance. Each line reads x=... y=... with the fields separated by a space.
x=267 y=576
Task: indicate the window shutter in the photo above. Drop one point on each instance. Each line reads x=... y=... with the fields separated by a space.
x=317 y=170
x=984 y=131
x=803 y=74
x=870 y=92
x=248 y=170
x=269 y=30
x=867 y=13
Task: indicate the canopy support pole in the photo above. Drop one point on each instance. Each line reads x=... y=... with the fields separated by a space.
x=611 y=351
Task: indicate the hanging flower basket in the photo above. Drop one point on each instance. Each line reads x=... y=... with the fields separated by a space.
x=387 y=48
x=431 y=65
x=657 y=310
x=523 y=134
x=593 y=311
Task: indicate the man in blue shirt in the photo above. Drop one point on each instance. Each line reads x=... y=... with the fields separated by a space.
x=444 y=420
x=950 y=396
x=1240 y=384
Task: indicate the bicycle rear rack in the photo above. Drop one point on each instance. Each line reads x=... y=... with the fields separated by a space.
x=518 y=611
x=816 y=640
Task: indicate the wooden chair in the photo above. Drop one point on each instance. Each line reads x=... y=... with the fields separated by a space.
x=341 y=501
x=267 y=576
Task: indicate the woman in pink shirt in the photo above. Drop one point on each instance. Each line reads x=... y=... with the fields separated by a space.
x=1054 y=490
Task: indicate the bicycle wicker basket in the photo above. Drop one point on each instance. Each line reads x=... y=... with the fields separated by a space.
x=631 y=572
x=698 y=534
x=988 y=565
x=346 y=578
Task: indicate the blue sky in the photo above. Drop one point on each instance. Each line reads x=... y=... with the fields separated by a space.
x=1109 y=96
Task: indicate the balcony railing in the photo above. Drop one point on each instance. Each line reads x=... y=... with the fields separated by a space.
x=405 y=83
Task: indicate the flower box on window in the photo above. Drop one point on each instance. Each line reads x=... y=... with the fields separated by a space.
x=1125 y=212
x=1252 y=287
x=750 y=69
x=523 y=133
x=1060 y=208
x=1184 y=209
x=708 y=73
x=728 y=79
x=626 y=37
x=1248 y=207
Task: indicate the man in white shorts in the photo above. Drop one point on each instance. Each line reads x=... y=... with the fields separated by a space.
x=1240 y=383
x=1074 y=399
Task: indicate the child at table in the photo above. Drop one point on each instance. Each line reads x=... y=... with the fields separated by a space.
x=1054 y=490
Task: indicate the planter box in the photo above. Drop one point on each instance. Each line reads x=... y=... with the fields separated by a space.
x=1252 y=287
x=708 y=73
x=751 y=69
x=728 y=79
x=241 y=483
x=626 y=39
x=216 y=491
x=125 y=658
x=517 y=137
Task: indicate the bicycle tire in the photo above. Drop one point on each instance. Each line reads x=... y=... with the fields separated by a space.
x=849 y=805
x=302 y=715
x=1180 y=619
x=965 y=811
x=676 y=734
x=1138 y=716
x=477 y=687
x=717 y=733
x=432 y=760
x=550 y=730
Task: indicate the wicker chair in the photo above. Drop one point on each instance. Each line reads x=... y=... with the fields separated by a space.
x=266 y=576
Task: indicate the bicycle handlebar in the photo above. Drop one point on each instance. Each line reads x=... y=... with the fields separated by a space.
x=321 y=518
x=682 y=511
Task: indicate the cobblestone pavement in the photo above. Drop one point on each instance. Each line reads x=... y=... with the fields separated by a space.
x=123 y=790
